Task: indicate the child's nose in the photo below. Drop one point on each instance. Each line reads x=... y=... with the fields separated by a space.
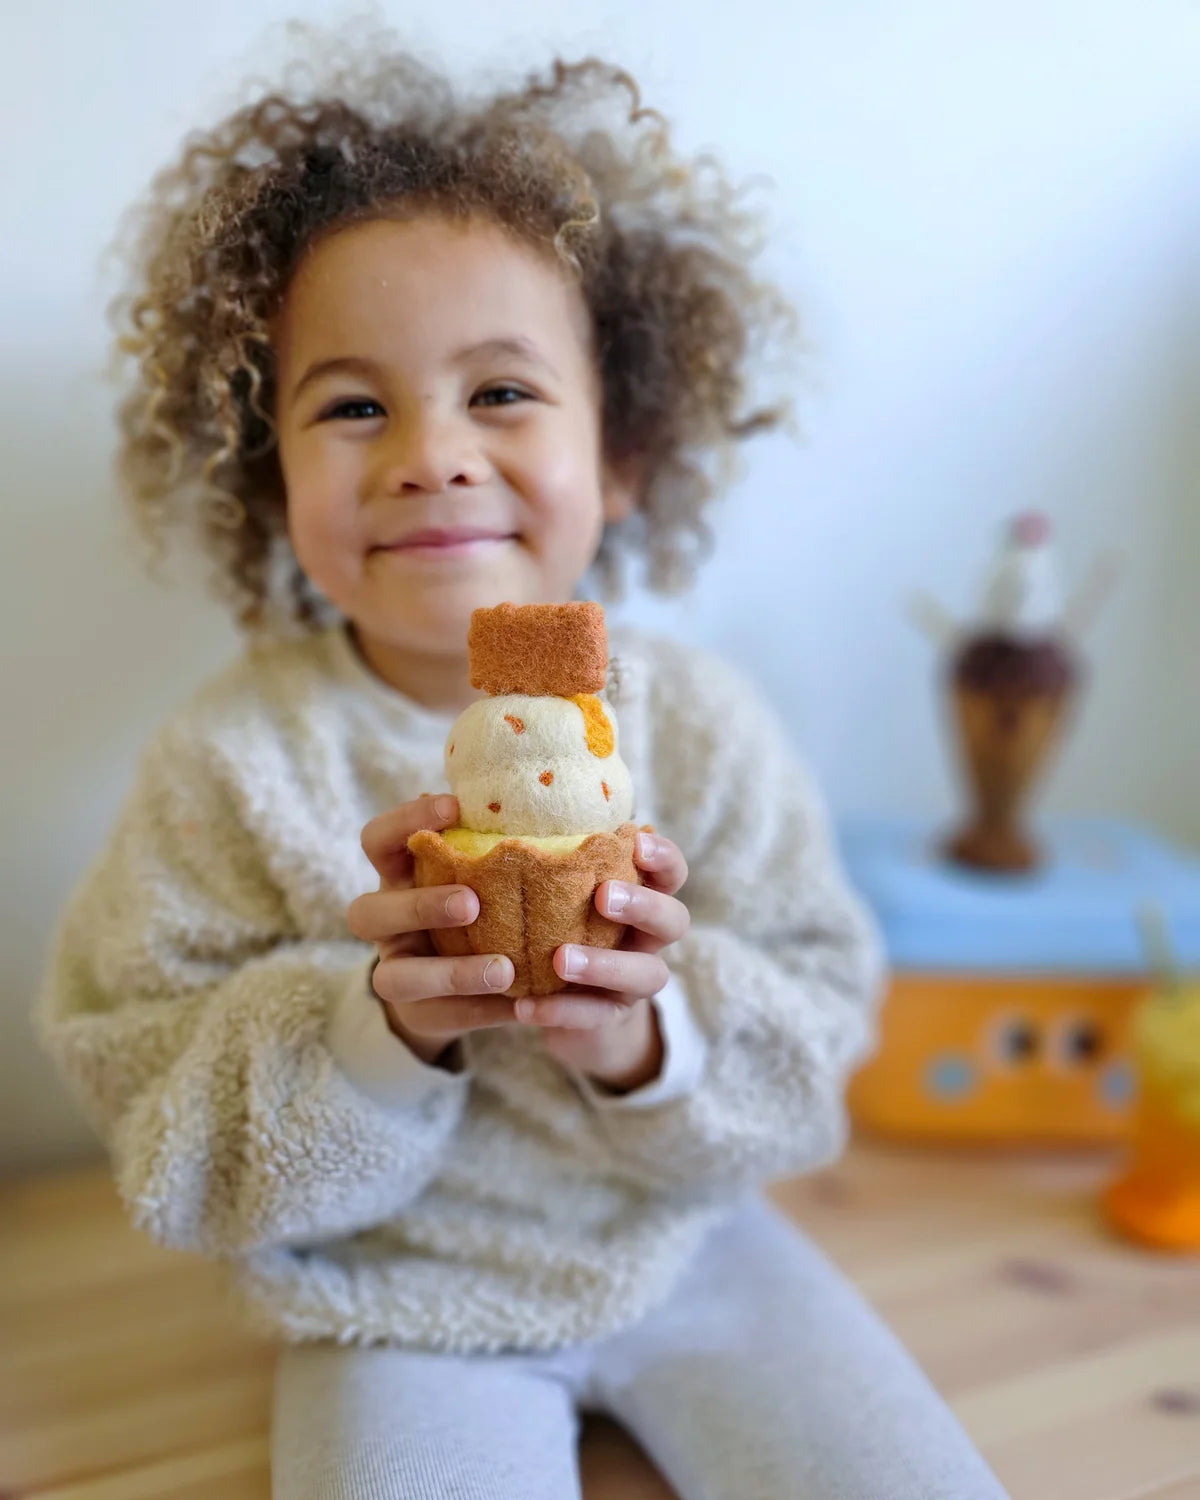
x=428 y=451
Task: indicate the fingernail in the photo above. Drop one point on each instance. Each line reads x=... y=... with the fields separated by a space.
x=647 y=846
x=525 y=1010
x=496 y=976
x=618 y=897
x=574 y=961
x=444 y=807
x=458 y=906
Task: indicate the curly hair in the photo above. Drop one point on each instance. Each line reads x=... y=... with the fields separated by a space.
x=659 y=246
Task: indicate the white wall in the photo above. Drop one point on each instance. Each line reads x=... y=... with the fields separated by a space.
x=991 y=218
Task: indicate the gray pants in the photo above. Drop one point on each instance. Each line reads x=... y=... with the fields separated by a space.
x=765 y=1376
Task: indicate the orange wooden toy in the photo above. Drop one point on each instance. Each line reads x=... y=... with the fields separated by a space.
x=1011 y=999
x=964 y=1057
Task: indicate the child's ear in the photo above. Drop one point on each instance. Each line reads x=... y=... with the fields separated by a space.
x=621 y=486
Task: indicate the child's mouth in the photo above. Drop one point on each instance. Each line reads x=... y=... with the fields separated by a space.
x=449 y=547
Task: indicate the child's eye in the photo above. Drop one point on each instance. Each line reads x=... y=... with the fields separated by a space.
x=352 y=409
x=504 y=390
x=343 y=408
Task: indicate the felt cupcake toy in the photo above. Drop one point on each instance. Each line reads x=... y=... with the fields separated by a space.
x=545 y=800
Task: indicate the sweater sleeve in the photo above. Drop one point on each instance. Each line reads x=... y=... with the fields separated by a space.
x=242 y=1076
x=781 y=967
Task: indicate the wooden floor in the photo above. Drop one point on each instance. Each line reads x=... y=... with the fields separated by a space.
x=1073 y=1360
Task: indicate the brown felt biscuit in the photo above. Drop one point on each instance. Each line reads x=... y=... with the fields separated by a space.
x=530 y=901
x=539 y=649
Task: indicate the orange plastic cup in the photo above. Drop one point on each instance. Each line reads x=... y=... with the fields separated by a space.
x=1157 y=1200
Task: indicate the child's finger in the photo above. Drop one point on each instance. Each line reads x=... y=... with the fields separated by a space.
x=622 y=969
x=571 y=1012
x=406 y=980
x=660 y=917
x=451 y=1015
x=385 y=838
x=376 y=916
x=661 y=862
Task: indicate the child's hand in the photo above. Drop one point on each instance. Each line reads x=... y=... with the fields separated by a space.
x=422 y=992
x=610 y=1030
x=613 y=1037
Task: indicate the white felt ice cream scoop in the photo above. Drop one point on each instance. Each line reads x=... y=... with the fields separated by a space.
x=537 y=766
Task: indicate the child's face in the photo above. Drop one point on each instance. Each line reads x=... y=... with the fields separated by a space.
x=434 y=429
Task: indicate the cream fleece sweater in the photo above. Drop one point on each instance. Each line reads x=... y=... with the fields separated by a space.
x=215 y=1019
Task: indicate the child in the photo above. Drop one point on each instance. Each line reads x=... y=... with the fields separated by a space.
x=375 y=315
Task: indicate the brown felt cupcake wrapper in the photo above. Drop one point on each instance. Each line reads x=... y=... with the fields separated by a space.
x=530 y=900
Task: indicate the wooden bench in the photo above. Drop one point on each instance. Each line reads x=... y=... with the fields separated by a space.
x=1073 y=1360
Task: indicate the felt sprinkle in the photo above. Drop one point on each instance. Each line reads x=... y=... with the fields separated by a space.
x=607 y=793
x=493 y=807
x=517 y=724
x=546 y=777
x=451 y=749
x=598 y=729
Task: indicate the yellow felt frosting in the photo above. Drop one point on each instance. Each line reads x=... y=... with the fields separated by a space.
x=472 y=842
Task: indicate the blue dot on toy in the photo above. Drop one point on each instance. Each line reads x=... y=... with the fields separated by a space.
x=950 y=1076
x=1116 y=1084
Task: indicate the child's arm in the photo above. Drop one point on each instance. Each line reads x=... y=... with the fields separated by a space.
x=243 y=1078
x=781 y=966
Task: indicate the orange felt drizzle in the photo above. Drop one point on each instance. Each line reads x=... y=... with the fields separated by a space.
x=546 y=777
x=607 y=793
x=517 y=724
x=599 y=730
